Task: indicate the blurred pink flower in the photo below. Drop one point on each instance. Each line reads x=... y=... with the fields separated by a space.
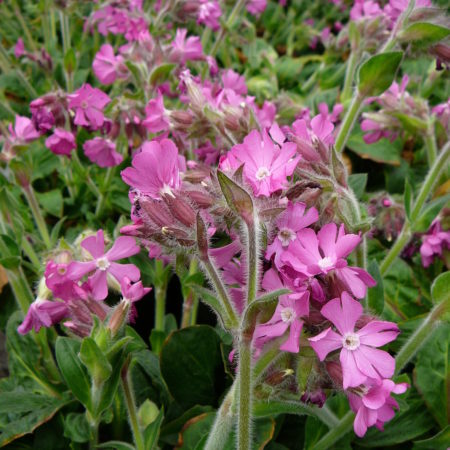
x=19 y=48
x=88 y=104
x=102 y=152
x=61 y=142
x=434 y=242
x=106 y=66
x=23 y=130
x=43 y=313
x=209 y=13
x=156 y=116
x=183 y=49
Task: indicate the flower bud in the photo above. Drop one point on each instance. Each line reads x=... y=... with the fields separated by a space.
x=119 y=317
x=200 y=199
x=180 y=209
x=334 y=370
x=155 y=212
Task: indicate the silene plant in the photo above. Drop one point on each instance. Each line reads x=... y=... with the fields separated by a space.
x=225 y=224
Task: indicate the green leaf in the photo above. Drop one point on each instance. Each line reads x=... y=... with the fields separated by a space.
x=410 y=123
x=74 y=373
x=116 y=445
x=274 y=408
x=440 y=291
x=51 y=201
x=375 y=294
x=160 y=73
x=432 y=373
x=433 y=208
x=26 y=423
x=378 y=72
x=423 y=34
x=76 y=427
x=9 y=252
x=190 y=359
x=358 y=182
x=95 y=360
x=147 y=413
x=438 y=442
x=383 y=151
x=408 y=198
x=70 y=60
x=151 y=433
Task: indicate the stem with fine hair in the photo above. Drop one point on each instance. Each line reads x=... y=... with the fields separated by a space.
x=349 y=121
x=352 y=64
x=252 y=260
x=244 y=431
x=430 y=143
x=131 y=407
x=37 y=214
x=427 y=186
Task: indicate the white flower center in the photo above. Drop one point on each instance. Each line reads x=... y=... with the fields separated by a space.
x=102 y=263
x=325 y=263
x=286 y=235
x=350 y=341
x=288 y=315
x=166 y=189
x=262 y=173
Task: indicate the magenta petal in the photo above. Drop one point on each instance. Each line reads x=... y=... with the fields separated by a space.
x=378 y=333
x=364 y=365
x=325 y=342
x=327 y=239
x=123 y=247
x=99 y=285
x=118 y=271
x=346 y=244
x=292 y=344
x=343 y=315
x=271 y=330
x=95 y=244
x=78 y=269
x=375 y=398
x=382 y=361
x=360 y=424
x=351 y=375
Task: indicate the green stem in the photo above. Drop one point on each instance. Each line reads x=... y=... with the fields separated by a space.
x=31 y=254
x=349 y=121
x=188 y=302
x=160 y=307
x=222 y=292
x=420 y=335
x=24 y=26
x=223 y=422
x=194 y=312
x=228 y=24
x=85 y=174
x=430 y=144
x=244 y=435
x=336 y=432
x=20 y=288
x=131 y=407
x=253 y=261
x=427 y=186
x=67 y=45
x=26 y=84
x=37 y=214
x=352 y=64
x=105 y=189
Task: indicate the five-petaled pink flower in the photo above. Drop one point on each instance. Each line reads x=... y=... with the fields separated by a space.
x=156 y=169
x=23 y=130
x=133 y=292
x=88 y=104
x=359 y=359
x=156 y=116
x=434 y=242
x=102 y=152
x=183 y=49
x=103 y=263
x=375 y=405
x=266 y=165
x=287 y=315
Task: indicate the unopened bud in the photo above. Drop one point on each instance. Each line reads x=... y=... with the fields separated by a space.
x=155 y=212
x=335 y=371
x=181 y=119
x=119 y=317
x=201 y=199
x=202 y=239
x=180 y=209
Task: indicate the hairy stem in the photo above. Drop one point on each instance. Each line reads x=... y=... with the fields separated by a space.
x=244 y=435
x=252 y=261
x=349 y=121
x=37 y=215
x=160 y=307
x=430 y=144
x=352 y=64
x=132 y=410
x=336 y=433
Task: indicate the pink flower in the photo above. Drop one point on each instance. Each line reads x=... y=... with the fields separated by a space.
x=156 y=117
x=256 y=7
x=155 y=170
x=375 y=405
x=61 y=142
x=106 y=66
x=434 y=242
x=265 y=114
x=184 y=50
x=133 y=292
x=232 y=80
x=19 y=48
x=43 y=313
x=88 y=103
x=286 y=316
x=266 y=165
x=292 y=220
x=102 y=152
x=209 y=13
x=359 y=359
x=60 y=284
x=103 y=263
x=23 y=130
x=363 y=9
